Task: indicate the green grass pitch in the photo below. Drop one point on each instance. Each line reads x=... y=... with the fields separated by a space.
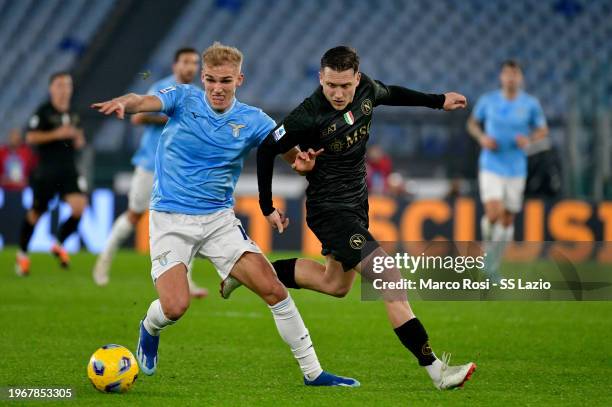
x=228 y=352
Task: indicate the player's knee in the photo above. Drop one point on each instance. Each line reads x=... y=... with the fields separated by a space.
x=33 y=216
x=340 y=290
x=133 y=217
x=273 y=292
x=78 y=207
x=175 y=309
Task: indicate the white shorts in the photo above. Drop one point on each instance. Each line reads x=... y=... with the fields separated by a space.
x=140 y=190
x=509 y=190
x=177 y=238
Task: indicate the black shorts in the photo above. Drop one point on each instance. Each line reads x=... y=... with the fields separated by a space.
x=45 y=186
x=343 y=232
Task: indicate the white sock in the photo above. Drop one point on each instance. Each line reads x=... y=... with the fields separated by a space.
x=508 y=233
x=435 y=369
x=498 y=232
x=155 y=320
x=486 y=228
x=122 y=228
x=293 y=331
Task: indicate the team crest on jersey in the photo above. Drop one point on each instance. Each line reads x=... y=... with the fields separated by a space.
x=168 y=89
x=357 y=241
x=236 y=129
x=162 y=258
x=366 y=107
x=279 y=133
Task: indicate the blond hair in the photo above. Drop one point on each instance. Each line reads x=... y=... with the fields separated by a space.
x=219 y=54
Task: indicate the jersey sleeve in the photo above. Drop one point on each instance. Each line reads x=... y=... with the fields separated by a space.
x=295 y=128
x=38 y=121
x=399 y=96
x=479 y=111
x=265 y=124
x=537 y=119
x=171 y=98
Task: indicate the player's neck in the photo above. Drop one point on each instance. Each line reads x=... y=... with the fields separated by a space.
x=62 y=108
x=510 y=94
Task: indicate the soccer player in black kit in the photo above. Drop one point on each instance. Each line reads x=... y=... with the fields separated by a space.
x=331 y=127
x=55 y=130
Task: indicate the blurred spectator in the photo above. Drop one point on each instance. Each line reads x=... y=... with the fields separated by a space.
x=397 y=186
x=17 y=160
x=379 y=167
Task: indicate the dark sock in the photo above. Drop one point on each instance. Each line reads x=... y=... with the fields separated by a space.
x=26 y=234
x=285 y=270
x=414 y=337
x=68 y=228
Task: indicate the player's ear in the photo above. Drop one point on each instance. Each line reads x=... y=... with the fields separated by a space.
x=240 y=79
x=358 y=77
x=321 y=77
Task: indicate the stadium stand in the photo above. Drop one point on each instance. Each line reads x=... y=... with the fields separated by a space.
x=38 y=38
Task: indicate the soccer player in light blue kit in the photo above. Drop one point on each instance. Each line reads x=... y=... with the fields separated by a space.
x=198 y=161
x=504 y=122
x=184 y=69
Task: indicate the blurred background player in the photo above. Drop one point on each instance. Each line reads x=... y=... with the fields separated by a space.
x=17 y=161
x=55 y=130
x=184 y=69
x=504 y=122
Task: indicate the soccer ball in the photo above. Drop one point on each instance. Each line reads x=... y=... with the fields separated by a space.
x=112 y=369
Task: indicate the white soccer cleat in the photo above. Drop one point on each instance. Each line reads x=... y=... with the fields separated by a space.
x=100 y=271
x=228 y=286
x=196 y=291
x=453 y=376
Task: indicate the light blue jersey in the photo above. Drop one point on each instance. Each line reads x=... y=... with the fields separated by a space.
x=145 y=155
x=201 y=152
x=504 y=120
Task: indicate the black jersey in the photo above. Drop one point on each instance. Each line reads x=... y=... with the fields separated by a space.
x=339 y=176
x=56 y=155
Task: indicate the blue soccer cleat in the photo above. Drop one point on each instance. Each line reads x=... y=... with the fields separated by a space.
x=328 y=379
x=146 y=352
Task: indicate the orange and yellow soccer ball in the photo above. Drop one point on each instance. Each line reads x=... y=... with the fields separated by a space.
x=112 y=369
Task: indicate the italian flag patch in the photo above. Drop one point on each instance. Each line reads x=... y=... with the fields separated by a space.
x=349 y=118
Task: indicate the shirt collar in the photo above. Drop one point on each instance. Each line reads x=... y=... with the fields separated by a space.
x=219 y=115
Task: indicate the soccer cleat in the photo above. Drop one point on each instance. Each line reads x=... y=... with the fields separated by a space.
x=146 y=351
x=453 y=376
x=197 y=292
x=61 y=254
x=228 y=286
x=100 y=271
x=328 y=379
x=22 y=265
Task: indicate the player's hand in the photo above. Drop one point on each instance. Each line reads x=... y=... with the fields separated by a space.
x=453 y=101
x=522 y=141
x=66 y=132
x=109 y=107
x=305 y=161
x=278 y=220
x=488 y=142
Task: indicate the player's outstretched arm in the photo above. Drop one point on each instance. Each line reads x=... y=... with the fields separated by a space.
x=400 y=96
x=130 y=103
x=266 y=154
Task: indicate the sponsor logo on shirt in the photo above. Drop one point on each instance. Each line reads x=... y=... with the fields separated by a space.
x=168 y=89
